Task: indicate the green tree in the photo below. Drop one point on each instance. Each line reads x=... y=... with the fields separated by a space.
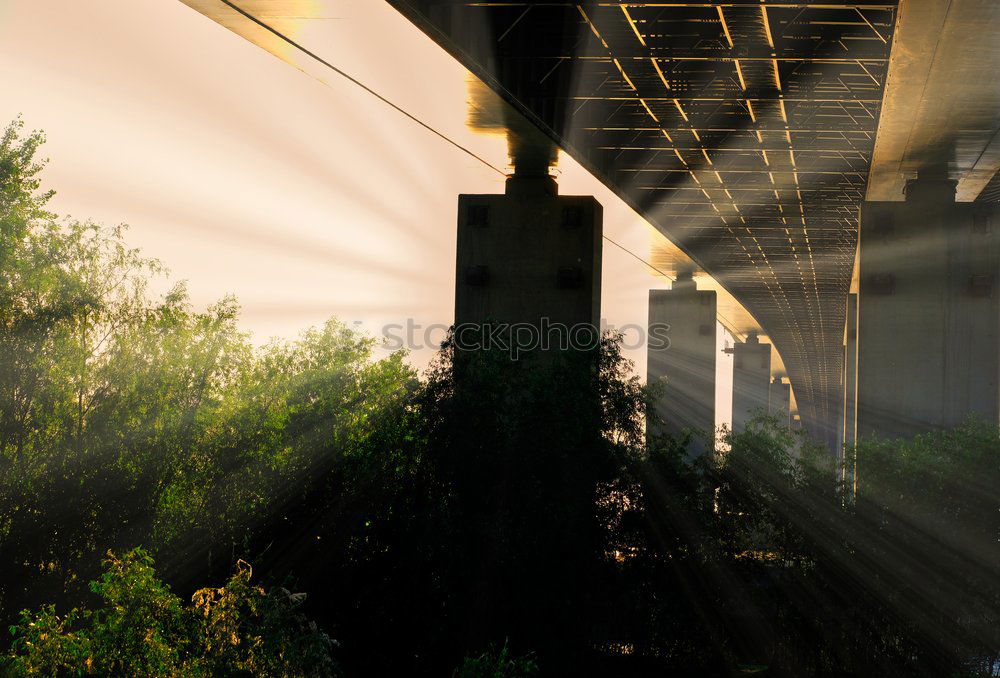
x=927 y=535
x=129 y=419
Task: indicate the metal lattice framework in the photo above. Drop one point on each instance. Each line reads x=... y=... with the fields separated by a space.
x=742 y=130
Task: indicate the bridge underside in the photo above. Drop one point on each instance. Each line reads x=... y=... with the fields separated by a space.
x=742 y=130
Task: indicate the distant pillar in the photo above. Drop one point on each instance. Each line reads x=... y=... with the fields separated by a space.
x=795 y=424
x=851 y=371
x=529 y=256
x=686 y=365
x=780 y=401
x=928 y=312
x=835 y=434
x=751 y=380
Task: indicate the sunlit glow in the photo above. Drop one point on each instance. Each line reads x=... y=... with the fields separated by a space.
x=767 y=26
x=631 y=23
x=739 y=74
x=659 y=72
x=725 y=27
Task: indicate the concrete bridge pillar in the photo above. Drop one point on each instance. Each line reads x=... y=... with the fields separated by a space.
x=751 y=380
x=849 y=379
x=850 y=371
x=530 y=257
x=780 y=401
x=928 y=311
x=685 y=366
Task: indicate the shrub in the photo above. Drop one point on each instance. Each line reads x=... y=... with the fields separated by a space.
x=142 y=629
x=502 y=664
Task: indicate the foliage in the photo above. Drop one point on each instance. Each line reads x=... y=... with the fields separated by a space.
x=142 y=629
x=44 y=645
x=500 y=664
x=928 y=513
x=522 y=450
x=129 y=419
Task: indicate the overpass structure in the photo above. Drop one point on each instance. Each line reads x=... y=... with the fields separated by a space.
x=743 y=131
x=749 y=132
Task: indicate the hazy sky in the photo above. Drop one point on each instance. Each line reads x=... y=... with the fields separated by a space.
x=305 y=198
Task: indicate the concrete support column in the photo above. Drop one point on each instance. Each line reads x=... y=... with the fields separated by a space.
x=684 y=366
x=851 y=370
x=928 y=312
x=751 y=380
x=835 y=436
x=529 y=256
x=780 y=401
